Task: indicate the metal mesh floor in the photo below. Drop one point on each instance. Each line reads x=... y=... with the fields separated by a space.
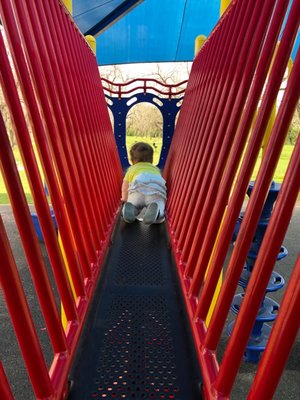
x=136 y=343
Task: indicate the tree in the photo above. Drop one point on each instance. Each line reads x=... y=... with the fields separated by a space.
x=144 y=120
x=7 y=121
x=294 y=128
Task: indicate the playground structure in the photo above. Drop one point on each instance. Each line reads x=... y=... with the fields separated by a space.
x=122 y=96
x=208 y=168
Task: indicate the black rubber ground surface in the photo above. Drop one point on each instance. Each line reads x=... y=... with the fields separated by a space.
x=136 y=343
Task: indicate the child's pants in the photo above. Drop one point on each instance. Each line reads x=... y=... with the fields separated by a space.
x=140 y=200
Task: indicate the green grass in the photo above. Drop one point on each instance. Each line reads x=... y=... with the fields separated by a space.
x=281 y=166
x=278 y=177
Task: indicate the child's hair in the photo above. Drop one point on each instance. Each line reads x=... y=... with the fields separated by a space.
x=141 y=152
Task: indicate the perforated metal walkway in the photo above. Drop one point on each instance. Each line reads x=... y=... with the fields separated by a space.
x=136 y=343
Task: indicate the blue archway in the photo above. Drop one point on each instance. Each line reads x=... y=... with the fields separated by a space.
x=169 y=107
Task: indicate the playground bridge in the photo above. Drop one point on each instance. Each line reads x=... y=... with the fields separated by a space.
x=143 y=308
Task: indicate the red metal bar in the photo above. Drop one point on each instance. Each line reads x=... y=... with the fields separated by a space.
x=101 y=147
x=36 y=185
x=199 y=88
x=231 y=168
x=61 y=111
x=220 y=153
x=21 y=318
x=208 y=65
x=31 y=246
x=82 y=112
x=192 y=144
x=218 y=159
x=42 y=145
x=204 y=110
x=103 y=214
x=5 y=390
x=267 y=256
x=187 y=110
x=80 y=149
x=280 y=342
x=145 y=89
x=263 y=181
x=227 y=108
x=42 y=89
x=203 y=116
x=145 y=80
x=105 y=140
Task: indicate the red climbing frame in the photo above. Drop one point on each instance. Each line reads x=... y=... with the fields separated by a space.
x=206 y=188
x=210 y=163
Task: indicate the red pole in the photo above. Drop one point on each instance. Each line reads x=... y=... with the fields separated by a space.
x=21 y=318
x=65 y=126
x=204 y=104
x=189 y=133
x=31 y=246
x=73 y=114
x=96 y=132
x=54 y=139
x=263 y=181
x=76 y=97
x=233 y=162
x=214 y=183
x=36 y=184
x=226 y=122
x=5 y=390
x=42 y=145
x=82 y=94
x=261 y=274
x=280 y=343
x=105 y=139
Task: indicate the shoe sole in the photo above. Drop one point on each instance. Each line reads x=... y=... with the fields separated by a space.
x=129 y=213
x=151 y=214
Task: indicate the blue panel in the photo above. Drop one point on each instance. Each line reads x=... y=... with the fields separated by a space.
x=88 y=13
x=154 y=31
x=157 y=31
x=199 y=19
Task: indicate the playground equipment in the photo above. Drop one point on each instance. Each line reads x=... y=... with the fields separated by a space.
x=123 y=96
x=137 y=325
x=268 y=308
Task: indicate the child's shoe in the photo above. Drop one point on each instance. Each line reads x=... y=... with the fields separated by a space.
x=151 y=214
x=129 y=213
x=160 y=219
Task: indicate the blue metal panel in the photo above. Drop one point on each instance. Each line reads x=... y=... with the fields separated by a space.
x=199 y=18
x=120 y=108
x=158 y=31
x=154 y=31
x=89 y=12
x=105 y=14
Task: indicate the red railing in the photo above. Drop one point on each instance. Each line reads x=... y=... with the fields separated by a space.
x=61 y=87
x=132 y=86
x=207 y=184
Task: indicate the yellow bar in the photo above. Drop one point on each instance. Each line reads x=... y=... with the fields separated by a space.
x=68 y=4
x=63 y=314
x=92 y=42
x=223 y=5
x=200 y=39
x=269 y=129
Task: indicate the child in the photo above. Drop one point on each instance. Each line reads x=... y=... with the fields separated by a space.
x=143 y=186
